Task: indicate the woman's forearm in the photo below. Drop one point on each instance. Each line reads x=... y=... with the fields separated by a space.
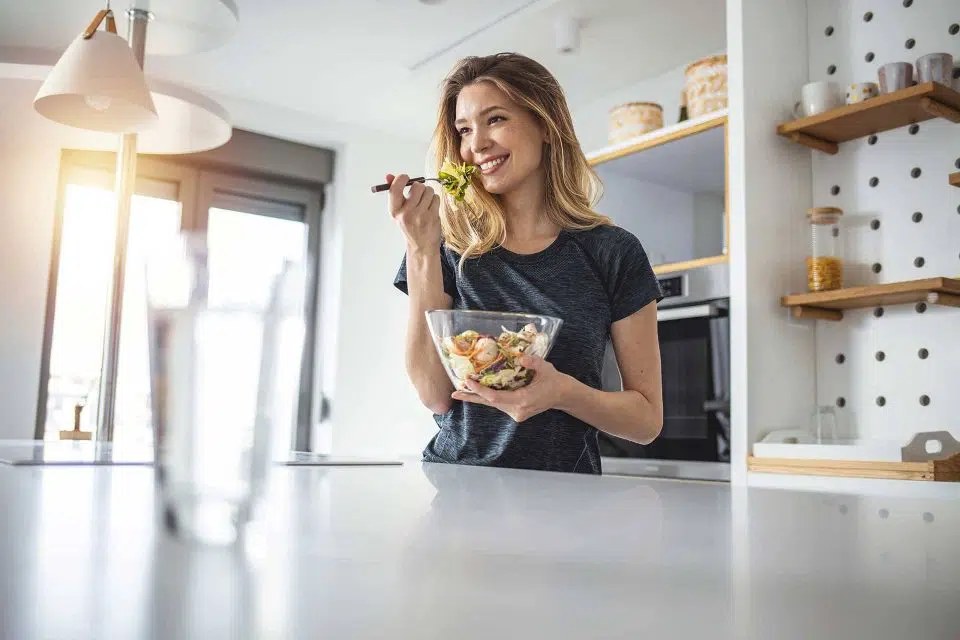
x=625 y=414
x=425 y=289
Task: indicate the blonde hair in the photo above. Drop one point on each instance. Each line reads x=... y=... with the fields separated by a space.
x=478 y=224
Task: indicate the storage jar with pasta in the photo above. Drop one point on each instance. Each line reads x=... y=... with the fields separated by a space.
x=824 y=265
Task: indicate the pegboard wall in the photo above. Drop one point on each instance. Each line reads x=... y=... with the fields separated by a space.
x=890 y=372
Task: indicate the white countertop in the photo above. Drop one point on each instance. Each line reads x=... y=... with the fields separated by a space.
x=438 y=551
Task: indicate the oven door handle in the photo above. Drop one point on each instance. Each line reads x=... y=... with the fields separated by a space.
x=683 y=313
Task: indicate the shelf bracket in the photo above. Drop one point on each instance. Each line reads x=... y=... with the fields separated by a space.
x=815 y=143
x=940 y=110
x=945 y=299
x=817 y=313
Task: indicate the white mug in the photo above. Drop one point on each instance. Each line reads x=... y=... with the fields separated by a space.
x=817 y=97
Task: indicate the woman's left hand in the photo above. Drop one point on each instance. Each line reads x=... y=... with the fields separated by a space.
x=522 y=404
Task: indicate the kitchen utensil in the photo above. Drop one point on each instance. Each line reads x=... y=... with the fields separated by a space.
x=817 y=97
x=895 y=76
x=633 y=119
x=860 y=91
x=445 y=325
x=935 y=67
x=225 y=355
x=386 y=187
x=705 y=81
x=930 y=445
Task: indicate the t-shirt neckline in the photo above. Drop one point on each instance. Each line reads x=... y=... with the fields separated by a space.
x=552 y=248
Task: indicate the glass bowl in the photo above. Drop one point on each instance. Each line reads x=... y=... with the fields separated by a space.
x=486 y=346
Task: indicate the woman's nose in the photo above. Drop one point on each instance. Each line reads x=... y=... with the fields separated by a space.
x=480 y=142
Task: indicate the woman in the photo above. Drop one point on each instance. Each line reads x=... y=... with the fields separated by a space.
x=527 y=240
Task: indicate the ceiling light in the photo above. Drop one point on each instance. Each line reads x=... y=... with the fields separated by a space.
x=97 y=84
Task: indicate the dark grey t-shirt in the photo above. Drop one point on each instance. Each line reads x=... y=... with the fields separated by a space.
x=590 y=279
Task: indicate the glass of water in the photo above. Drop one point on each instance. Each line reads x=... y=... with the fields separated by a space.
x=226 y=344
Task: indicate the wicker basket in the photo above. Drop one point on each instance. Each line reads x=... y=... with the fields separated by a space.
x=633 y=119
x=706 y=85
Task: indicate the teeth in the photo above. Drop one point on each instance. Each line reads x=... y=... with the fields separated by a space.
x=491 y=164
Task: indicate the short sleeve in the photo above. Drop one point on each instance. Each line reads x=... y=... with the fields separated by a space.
x=633 y=285
x=449 y=275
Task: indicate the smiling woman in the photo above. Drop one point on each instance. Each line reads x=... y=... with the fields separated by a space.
x=526 y=239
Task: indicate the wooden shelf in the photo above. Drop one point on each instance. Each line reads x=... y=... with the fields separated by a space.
x=888 y=111
x=954 y=179
x=934 y=470
x=658 y=137
x=829 y=305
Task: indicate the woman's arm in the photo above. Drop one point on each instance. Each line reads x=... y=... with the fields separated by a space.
x=425 y=287
x=636 y=413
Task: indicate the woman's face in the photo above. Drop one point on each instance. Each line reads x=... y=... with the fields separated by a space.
x=499 y=136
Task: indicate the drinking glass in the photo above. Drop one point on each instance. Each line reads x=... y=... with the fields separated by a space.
x=226 y=341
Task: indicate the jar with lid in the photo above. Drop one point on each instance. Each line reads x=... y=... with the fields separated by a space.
x=824 y=264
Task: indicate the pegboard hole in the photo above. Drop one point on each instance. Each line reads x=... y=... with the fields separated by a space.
x=878 y=312
x=915 y=172
x=876 y=267
x=909 y=44
x=957 y=163
x=841 y=402
x=884 y=513
x=874 y=181
x=832 y=69
x=872 y=140
x=828 y=31
x=835 y=232
x=921 y=307
x=869 y=56
x=835 y=190
x=868 y=16
x=840 y=359
x=925 y=402
x=914 y=129
x=928 y=517
x=923 y=353
x=880 y=356
x=881 y=401
x=874 y=224
x=907 y=3
x=954 y=29
x=919 y=262
x=917 y=216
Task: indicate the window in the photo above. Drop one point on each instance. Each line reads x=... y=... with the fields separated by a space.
x=267 y=221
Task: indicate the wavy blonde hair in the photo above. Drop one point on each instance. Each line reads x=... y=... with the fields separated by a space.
x=478 y=224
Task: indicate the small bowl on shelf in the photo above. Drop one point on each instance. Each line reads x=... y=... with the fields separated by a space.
x=486 y=346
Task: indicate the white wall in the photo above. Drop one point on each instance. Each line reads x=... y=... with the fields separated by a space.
x=772 y=357
x=660 y=217
x=374 y=407
x=708 y=223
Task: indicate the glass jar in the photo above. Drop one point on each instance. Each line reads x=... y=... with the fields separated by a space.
x=824 y=265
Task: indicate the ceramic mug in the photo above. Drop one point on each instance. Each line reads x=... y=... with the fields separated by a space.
x=935 y=67
x=860 y=91
x=895 y=76
x=817 y=97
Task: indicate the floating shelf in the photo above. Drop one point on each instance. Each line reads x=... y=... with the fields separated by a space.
x=829 y=305
x=659 y=137
x=933 y=470
x=888 y=111
x=955 y=179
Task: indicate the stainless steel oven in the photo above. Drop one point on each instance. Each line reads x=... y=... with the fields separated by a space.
x=694 y=329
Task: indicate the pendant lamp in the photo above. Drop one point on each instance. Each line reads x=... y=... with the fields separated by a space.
x=97 y=84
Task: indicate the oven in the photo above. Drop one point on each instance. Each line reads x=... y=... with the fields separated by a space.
x=694 y=333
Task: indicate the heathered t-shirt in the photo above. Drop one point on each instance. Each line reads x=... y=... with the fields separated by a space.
x=590 y=279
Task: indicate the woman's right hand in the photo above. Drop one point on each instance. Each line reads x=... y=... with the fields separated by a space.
x=418 y=213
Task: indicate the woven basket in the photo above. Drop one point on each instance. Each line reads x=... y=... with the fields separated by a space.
x=633 y=119
x=706 y=85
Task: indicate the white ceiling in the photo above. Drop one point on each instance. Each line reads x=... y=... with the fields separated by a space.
x=352 y=61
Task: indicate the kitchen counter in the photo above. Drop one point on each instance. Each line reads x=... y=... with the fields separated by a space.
x=438 y=551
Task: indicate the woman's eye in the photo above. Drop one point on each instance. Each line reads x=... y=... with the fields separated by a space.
x=463 y=131
x=495 y=119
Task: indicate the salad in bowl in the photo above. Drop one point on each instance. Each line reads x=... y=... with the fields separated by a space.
x=487 y=346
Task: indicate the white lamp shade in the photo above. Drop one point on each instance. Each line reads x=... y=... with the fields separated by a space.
x=190 y=122
x=98 y=85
